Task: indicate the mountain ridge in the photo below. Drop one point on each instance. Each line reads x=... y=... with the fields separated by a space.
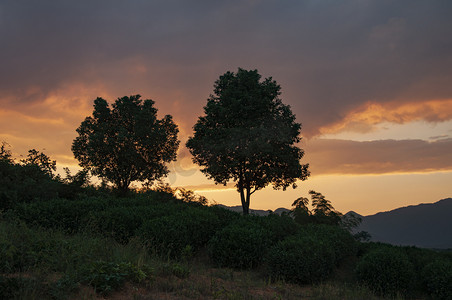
x=425 y=225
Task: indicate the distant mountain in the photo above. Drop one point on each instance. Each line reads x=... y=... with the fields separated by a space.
x=423 y=225
x=258 y=212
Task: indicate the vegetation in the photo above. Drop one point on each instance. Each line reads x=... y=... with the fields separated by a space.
x=248 y=135
x=152 y=242
x=126 y=143
x=64 y=238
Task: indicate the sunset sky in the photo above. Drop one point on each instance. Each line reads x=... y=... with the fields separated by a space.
x=371 y=82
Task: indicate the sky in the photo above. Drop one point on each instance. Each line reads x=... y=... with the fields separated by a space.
x=370 y=81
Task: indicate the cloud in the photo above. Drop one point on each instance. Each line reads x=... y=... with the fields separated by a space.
x=342 y=65
x=364 y=118
x=328 y=156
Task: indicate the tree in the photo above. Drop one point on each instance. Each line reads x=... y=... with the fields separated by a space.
x=5 y=153
x=301 y=212
x=127 y=142
x=40 y=160
x=323 y=210
x=248 y=135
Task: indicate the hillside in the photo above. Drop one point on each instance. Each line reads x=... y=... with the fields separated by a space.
x=423 y=225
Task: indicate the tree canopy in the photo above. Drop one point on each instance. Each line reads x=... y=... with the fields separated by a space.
x=127 y=142
x=40 y=160
x=248 y=135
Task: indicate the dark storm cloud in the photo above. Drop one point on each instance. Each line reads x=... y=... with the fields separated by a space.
x=329 y=56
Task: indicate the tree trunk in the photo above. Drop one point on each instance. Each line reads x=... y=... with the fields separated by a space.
x=245 y=198
x=245 y=203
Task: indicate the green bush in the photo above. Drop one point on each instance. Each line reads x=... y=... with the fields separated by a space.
x=67 y=215
x=242 y=244
x=386 y=271
x=279 y=227
x=437 y=279
x=301 y=259
x=340 y=240
x=225 y=216
x=24 y=184
x=170 y=235
x=120 y=223
x=108 y=276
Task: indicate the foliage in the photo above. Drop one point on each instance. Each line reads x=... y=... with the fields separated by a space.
x=278 y=227
x=24 y=183
x=300 y=212
x=108 y=276
x=301 y=259
x=437 y=279
x=172 y=233
x=248 y=135
x=190 y=196
x=5 y=153
x=323 y=210
x=126 y=143
x=242 y=244
x=340 y=240
x=386 y=271
x=40 y=160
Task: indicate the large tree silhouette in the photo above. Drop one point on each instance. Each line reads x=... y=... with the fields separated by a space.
x=126 y=143
x=248 y=135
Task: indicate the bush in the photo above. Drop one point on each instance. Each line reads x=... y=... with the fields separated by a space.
x=301 y=259
x=170 y=235
x=340 y=240
x=437 y=279
x=279 y=227
x=386 y=271
x=120 y=223
x=67 y=215
x=108 y=276
x=242 y=244
x=24 y=184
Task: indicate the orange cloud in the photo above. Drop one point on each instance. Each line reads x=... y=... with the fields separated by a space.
x=364 y=118
x=328 y=156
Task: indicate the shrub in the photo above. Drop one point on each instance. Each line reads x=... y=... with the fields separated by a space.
x=225 y=216
x=120 y=223
x=172 y=234
x=69 y=216
x=279 y=227
x=437 y=279
x=340 y=240
x=301 y=259
x=242 y=244
x=386 y=271
x=108 y=276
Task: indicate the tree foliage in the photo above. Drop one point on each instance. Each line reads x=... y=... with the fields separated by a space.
x=248 y=136
x=127 y=142
x=5 y=153
x=40 y=160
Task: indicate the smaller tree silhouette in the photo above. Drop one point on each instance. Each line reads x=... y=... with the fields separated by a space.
x=40 y=160
x=126 y=142
x=301 y=212
x=323 y=210
x=5 y=153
